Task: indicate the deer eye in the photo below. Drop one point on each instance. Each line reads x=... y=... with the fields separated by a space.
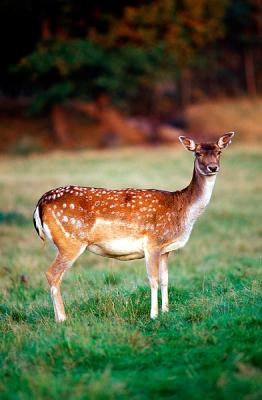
x=198 y=153
x=219 y=152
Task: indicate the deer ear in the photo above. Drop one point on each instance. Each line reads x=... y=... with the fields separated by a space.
x=188 y=143
x=225 y=140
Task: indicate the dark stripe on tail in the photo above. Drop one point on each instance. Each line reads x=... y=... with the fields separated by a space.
x=37 y=230
x=40 y=212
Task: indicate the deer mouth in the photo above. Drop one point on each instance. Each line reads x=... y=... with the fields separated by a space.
x=204 y=171
x=207 y=173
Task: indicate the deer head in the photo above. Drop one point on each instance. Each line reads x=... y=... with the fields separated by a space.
x=207 y=154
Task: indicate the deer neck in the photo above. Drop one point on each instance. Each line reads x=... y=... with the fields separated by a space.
x=198 y=193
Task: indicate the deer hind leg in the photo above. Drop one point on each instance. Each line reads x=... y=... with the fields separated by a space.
x=152 y=266
x=163 y=274
x=54 y=276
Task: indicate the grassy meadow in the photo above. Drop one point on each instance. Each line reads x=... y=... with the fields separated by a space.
x=207 y=347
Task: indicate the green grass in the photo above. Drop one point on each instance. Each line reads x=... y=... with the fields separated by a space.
x=207 y=347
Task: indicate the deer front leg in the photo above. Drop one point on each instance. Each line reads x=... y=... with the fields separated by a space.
x=152 y=267
x=163 y=274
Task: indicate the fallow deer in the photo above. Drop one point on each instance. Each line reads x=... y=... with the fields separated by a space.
x=127 y=224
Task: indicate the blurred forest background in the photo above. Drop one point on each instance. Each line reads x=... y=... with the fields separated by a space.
x=77 y=74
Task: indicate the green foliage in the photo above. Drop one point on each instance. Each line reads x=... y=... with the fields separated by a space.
x=57 y=93
x=183 y=27
x=207 y=347
x=79 y=41
x=81 y=68
x=141 y=45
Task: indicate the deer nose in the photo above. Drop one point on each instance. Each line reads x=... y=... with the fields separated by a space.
x=213 y=168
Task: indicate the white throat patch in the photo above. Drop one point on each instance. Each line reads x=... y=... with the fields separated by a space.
x=192 y=214
x=199 y=205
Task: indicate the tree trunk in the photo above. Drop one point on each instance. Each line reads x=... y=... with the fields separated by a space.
x=45 y=29
x=250 y=72
x=59 y=126
x=186 y=78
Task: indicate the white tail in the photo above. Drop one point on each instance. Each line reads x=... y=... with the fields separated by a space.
x=126 y=224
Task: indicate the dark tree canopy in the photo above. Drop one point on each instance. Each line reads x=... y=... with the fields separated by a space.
x=55 y=50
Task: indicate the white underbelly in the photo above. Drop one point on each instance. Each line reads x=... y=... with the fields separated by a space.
x=178 y=242
x=173 y=246
x=123 y=249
